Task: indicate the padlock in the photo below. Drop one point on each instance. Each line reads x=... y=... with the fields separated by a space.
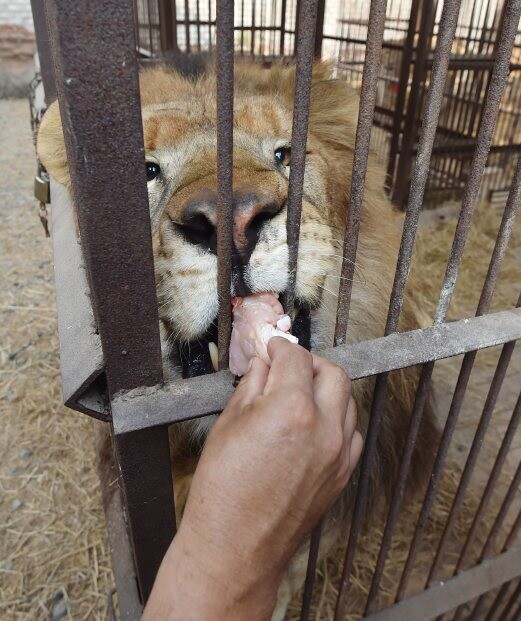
x=42 y=189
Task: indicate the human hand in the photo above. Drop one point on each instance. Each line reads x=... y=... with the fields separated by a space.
x=278 y=456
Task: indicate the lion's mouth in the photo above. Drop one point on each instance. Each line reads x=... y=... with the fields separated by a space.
x=199 y=356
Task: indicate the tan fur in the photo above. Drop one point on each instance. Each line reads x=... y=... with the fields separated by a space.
x=179 y=130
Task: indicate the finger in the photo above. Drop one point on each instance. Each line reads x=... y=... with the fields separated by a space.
x=291 y=367
x=332 y=388
x=355 y=450
x=251 y=386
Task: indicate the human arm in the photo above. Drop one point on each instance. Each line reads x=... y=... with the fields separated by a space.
x=278 y=456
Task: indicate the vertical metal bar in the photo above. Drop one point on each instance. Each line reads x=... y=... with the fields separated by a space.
x=44 y=51
x=168 y=25
x=512 y=491
x=282 y=27
x=497 y=601
x=370 y=75
x=511 y=603
x=225 y=48
x=252 y=43
x=486 y=130
x=319 y=31
x=498 y=80
x=299 y=135
x=403 y=82
x=486 y=416
x=513 y=533
x=311 y=569
x=198 y=19
x=187 y=27
x=149 y=20
x=376 y=24
x=498 y=253
x=410 y=128
x=491 y=483
x=94 y=54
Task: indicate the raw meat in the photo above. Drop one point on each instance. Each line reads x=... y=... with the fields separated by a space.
x=256 y=319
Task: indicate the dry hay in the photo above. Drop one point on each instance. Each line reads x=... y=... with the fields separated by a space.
x=52 y=536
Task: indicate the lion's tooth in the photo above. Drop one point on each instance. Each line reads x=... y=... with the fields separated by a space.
x=214 y=355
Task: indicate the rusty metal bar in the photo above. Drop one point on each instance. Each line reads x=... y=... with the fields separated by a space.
x=167 y=25
x=497 y=601
x=446 y=596
x=431 y=113
x=503 y=238
x=514 y=598
x=513 y=490
x=94 y=53
x=484 y=139
x=225 y=49
x=197 y=396
x=311 y=569
x=319 y=30
x=299 y=134
x=370 y=74
x=44 y=50
x=421 y=170
x=513 y=533
x=477 y=442
x=410 y=122
x=403 y=81
x=489 y=117
x=491 y=483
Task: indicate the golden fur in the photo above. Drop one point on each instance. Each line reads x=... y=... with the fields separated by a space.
x=179 y=118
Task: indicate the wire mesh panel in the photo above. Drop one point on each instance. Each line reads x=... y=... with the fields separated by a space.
x=435 y=80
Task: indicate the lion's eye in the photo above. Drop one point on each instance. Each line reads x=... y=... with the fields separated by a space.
x=283 y=156
x=153 y=170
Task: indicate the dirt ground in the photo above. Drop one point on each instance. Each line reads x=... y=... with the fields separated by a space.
x=53 y=551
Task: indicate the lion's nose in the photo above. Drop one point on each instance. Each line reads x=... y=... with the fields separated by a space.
x=250 y=212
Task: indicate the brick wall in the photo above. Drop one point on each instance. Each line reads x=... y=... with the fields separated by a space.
x=17 y=47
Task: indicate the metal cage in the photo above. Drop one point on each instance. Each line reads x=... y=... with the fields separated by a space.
x=111 y=362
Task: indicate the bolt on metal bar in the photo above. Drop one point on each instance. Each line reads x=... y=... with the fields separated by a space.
x=225 y=50
x=491 y=483
x=479 y=159
x=502 y=240
x=299 y=133
x=375 y=32
x=94 y=52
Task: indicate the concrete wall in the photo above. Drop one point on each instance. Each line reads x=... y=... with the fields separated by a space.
x=17 y=47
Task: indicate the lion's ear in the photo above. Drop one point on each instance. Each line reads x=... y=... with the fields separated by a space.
x=51 y=146
x=334 y=108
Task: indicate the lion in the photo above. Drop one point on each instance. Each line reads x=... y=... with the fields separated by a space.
x=179 y=126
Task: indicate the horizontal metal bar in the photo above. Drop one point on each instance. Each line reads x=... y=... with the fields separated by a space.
x=464 y=587
x=81 y=358
x=183 y=399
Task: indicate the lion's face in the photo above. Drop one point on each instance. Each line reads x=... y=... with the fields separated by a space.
x=181 y=155
x=179 y=121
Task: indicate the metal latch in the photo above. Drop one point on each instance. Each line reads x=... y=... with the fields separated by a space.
x=42 y=189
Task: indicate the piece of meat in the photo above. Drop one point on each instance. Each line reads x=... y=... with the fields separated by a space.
x=256 y=318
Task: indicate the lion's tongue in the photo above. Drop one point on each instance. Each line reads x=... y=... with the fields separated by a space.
x=256 y=318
